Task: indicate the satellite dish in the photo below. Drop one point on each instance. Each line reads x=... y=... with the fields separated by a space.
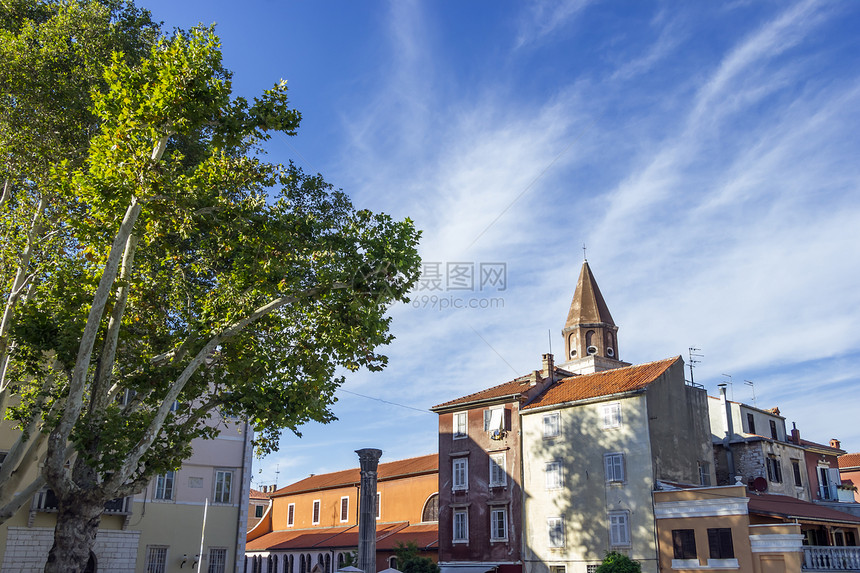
x=759 y=484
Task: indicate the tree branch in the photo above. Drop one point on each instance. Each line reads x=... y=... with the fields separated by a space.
x=77 y=385
x=18 y=284
x=136 y=453
x=101 y=385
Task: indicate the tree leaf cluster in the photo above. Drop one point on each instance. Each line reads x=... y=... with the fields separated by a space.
x=161 y=278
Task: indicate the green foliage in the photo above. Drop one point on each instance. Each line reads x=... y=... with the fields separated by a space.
x=615 y=562
x=409 y=559
x=244 y=284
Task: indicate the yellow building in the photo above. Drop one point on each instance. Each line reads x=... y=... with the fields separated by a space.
x=158 y=530
x=315 y=521
x=729 y=528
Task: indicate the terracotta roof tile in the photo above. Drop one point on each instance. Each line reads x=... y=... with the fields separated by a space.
x=424 y=535
x=257 y=494
x=514 y=387
x=322 y=537
x=836 y=451
x=789 y=507
x=388 y=470
x=604 y=383
x=849 y=460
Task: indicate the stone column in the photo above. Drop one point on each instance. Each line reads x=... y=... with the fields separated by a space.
x=369 y=459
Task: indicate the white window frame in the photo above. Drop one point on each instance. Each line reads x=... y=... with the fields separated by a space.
x=165 y=486
x=460 y=427
x=619 y=529
x=555 y=531
x=498 y=473
x=551 y=425
x=611 y=415
x=501 y=513
x=316 y=512
x=460 y=474
x=291 y=515
x=704 y=473
x=378 y=504
x=463 y=515
x=217 y=560
x=497 y=412
x=156 y=558
x=613 y=464
x=554 y=476
x=344 y=519
x=223 y=494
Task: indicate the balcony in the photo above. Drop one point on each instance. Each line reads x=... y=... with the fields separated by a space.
x=45 y=501
x=820 y=558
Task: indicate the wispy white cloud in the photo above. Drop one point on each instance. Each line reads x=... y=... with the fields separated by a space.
x=545 y=17
x=723 y=215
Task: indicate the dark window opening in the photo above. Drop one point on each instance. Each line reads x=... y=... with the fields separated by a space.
x=720 y=543
x=773 y=433
x=684 y=543
x=774 y=470
x=750 y=424
x=795 y=465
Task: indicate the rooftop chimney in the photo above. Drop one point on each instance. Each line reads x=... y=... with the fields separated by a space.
x=548 y=367
x=727 y=419
x=795 y=434
x=834 y=443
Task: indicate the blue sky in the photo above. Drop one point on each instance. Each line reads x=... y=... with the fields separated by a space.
x=706 y=153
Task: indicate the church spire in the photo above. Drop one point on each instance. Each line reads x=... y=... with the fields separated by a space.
x=589 y=329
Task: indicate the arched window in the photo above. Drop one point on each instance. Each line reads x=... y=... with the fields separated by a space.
x=392 y=562
x=302 y=564
x=431 y=509
x=91 y=564
x=340 y=560
x=288 y=564
x=327 y=563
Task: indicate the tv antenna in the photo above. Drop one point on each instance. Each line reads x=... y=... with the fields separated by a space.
x=277 y=473
x=731 y=386
x=751 y=384
x=694 y=359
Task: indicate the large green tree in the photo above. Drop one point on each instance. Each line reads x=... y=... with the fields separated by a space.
x=151 y=251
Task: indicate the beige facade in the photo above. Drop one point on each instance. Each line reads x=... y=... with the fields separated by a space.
x=710 y=528
x=159 y=529
x=588 y=486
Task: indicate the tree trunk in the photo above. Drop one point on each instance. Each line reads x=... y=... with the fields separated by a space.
x=75 y=534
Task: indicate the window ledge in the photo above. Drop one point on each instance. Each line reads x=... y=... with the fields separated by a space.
x=723 y=564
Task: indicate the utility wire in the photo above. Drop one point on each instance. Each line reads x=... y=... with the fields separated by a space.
x=384 y=401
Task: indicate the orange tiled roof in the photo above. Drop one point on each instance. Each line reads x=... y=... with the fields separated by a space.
x=320 y=537
x=424 y=535
x=257 y=494
x=849 y=460
x=388 y=470
x=604 y=383
x=789 y=507
x=515 y=387
x=511 y=388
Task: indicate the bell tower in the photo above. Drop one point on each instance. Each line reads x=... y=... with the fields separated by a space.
x=590 y=334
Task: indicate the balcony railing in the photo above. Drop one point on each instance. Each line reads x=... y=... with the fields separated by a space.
x=46 y=501
x=819 y=558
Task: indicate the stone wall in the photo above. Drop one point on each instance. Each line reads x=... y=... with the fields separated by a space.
x=27 y=550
